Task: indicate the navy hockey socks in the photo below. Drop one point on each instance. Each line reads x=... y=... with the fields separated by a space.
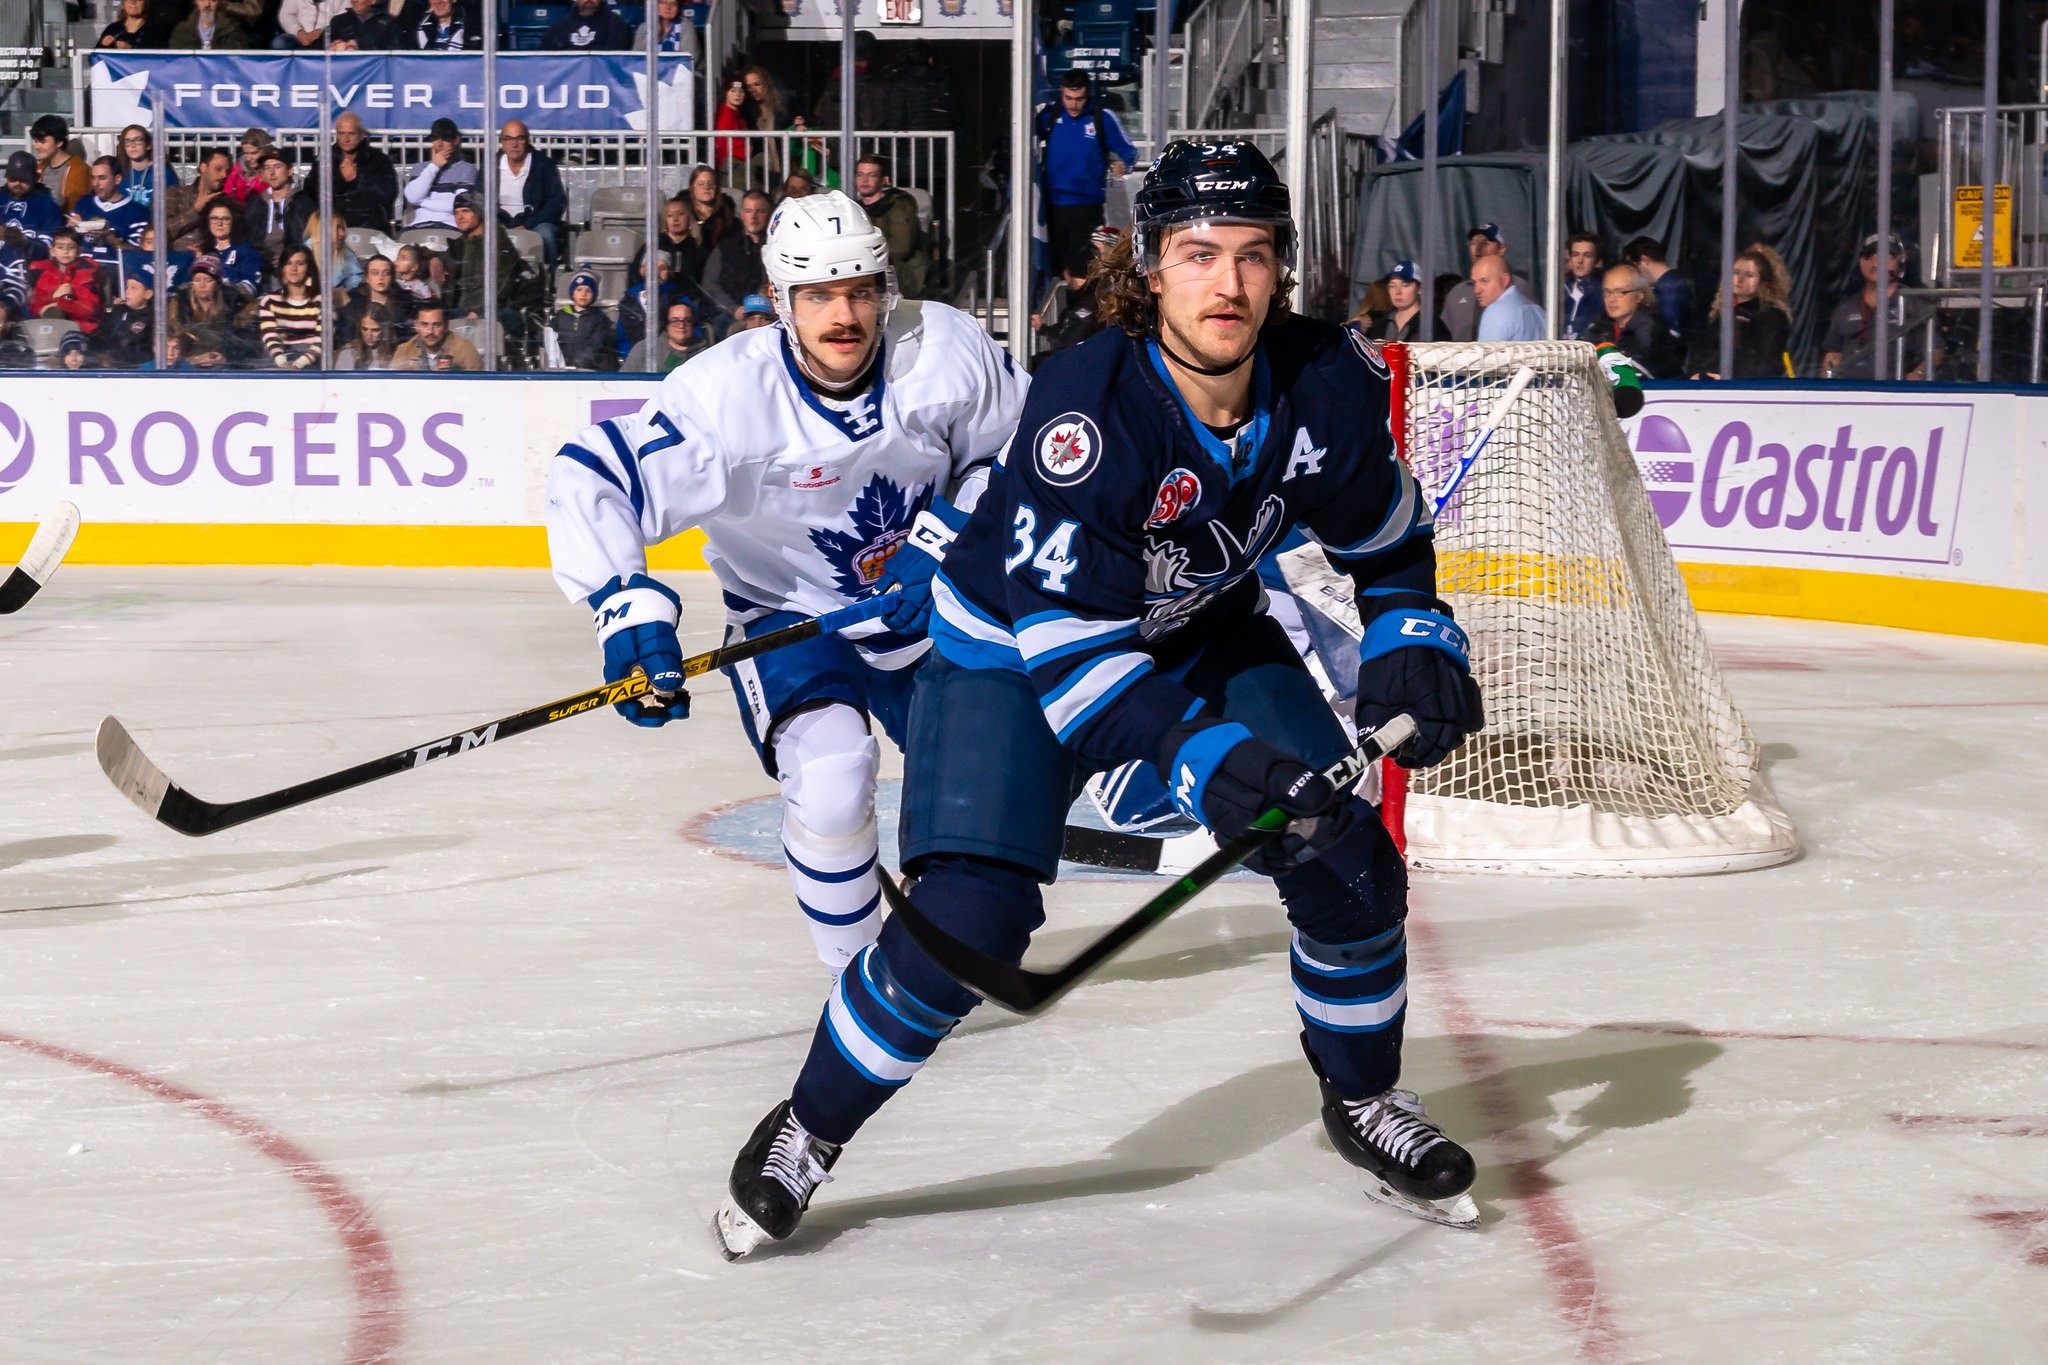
x=893 y=1005
x=1353 y=999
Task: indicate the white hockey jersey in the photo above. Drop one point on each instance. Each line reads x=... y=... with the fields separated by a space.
x=802 y=501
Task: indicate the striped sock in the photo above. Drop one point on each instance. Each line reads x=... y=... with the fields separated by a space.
x=836 y=887
x=873 y=1038
x=1353 y=999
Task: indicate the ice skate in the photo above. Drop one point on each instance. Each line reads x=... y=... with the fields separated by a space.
x=773 y=1179
x=1414 y=1167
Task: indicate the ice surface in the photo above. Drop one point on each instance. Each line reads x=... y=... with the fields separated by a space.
x=451 y=1068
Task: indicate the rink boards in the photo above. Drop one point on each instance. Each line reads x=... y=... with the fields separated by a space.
x=1904 y=506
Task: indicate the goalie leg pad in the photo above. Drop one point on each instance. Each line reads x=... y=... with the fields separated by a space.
x=894 y=1005
x=827 y=764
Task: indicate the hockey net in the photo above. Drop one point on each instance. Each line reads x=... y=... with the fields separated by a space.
x=1612 y=746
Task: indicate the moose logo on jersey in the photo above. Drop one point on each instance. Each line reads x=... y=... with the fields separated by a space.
x=882 y=516
x=1178 y=583
x=1178 y=492
x=1069 y=448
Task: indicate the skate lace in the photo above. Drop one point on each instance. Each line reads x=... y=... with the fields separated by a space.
x=793 y=1162
x=1396 y=1124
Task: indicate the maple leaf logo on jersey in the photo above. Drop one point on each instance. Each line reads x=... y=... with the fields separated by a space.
x=881 y=516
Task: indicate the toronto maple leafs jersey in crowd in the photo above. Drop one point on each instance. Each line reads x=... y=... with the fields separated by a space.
x=802 y=500
x=1118 y=534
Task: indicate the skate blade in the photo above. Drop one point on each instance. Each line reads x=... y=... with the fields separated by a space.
x=737 y=1234
x=1459 y=1211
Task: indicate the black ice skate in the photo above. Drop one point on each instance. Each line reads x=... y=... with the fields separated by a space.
x=1414 y=1167
x=773 y=1179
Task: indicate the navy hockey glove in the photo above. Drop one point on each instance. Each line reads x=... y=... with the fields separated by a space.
x=1413 y=659
x=915 y=561
x=636 y=624
x=1226 y=777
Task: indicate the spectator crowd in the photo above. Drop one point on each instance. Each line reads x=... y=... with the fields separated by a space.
x=389 y=270
x=1637 y=302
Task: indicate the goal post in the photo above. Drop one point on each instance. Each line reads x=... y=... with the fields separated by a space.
x=1612 y=746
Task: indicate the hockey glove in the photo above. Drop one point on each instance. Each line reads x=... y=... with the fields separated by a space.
x=915 y=561
x=1622 y=377
x=1413 y=659
x=636 y=624
x=1226 y=777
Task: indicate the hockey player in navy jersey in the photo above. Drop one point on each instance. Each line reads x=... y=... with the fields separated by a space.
x=1102 y=605
x=826 y=459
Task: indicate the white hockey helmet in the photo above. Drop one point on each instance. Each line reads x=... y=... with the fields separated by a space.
x=822 y=237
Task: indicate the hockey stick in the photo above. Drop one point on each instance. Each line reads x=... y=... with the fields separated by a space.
x=46 y=550
x=142 y=782
x=1023 y=991
x=1485 y=433
x=1124 y=851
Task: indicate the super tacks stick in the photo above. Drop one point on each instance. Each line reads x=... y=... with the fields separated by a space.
x=147 y=785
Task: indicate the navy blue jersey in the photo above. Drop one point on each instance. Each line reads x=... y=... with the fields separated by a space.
x=1119 y=535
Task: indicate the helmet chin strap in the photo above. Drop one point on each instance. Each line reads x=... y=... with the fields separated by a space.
x=1209 y=371
x=824 y=385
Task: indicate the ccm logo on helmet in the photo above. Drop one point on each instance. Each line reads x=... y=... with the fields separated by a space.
x=1215 y=184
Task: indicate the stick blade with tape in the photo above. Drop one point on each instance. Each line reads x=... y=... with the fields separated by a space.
x=46 y=550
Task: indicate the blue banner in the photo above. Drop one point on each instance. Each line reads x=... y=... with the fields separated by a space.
x=551 y=91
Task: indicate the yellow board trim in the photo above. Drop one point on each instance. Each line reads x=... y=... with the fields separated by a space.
x=434 y=547
x=1974 y=609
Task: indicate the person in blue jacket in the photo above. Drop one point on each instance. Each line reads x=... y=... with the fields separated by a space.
x=1080 y=145
x=27 y=206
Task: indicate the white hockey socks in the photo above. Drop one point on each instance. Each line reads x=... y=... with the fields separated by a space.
x=827 y=762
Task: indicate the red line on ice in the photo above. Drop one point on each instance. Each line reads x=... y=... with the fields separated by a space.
x=1565 y=1256
x=2024 y=1227
x=1752 y=1035
x=1997 y=1125
x=378 y=1327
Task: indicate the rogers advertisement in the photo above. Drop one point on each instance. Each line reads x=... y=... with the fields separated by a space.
x=343 y=449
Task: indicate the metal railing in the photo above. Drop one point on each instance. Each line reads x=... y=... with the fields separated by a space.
x=920 y=162
x=1959 y=140
x=1223 y=42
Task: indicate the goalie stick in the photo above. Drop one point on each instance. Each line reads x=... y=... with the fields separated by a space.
x=141 y=781
x=1480 y=438
x=46 y=550
x=1024 y=991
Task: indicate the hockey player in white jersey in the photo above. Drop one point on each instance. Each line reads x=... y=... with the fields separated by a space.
x=826 y=459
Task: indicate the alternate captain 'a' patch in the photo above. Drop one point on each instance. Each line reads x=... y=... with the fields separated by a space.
x=881 y=515
x=1069 y=447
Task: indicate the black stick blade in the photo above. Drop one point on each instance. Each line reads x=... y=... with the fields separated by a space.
x=1112 y=849
x=1023 y=991
x=15 y=591
x=1000 y=983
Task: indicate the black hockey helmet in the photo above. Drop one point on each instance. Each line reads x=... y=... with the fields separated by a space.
x=1212 y=182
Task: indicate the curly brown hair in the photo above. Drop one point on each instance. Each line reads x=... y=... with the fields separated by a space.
x=1124 y=297
x=1773 y=280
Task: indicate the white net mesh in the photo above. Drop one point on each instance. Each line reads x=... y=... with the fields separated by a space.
x=1611 y=744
